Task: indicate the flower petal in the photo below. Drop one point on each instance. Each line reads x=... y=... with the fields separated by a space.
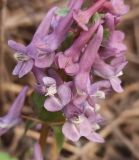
x=62 y=60
x=79 y=99
x=7 y=122
x=119 y=7
x=79 y=17
x=72 y=69
x=110 y=21
x=95 y=137
x=71 y=110
x=118 y=36
x=26 y=68
x=82 y=81
x=70 y=131
x=85 y=127
x=49 y=81
x=45 y=60
x=64 y=93
x=18 y=103
x=45 y=25
x=17 y=46
x=12 y=118
x=116 y=84
x=53 y=104
x=92 y=49
x=17 y=68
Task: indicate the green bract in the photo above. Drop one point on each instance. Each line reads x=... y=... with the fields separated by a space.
x=62 y=11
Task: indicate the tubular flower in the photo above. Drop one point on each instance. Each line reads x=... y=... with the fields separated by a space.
x=31 y=55
x=116 y=7
x=78 y=125
x=83 y=17
x=61 y=30
x=110 y=72
x=12 y=118
x=119 y=8
x=59 y=96
x=89 y=56
x=68 y=60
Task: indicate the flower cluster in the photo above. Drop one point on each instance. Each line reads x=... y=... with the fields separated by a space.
x=74 y=78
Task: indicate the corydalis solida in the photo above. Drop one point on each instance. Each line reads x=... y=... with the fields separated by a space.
x=66 y=76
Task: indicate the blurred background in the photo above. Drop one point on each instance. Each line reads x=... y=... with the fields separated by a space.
x=18 y=20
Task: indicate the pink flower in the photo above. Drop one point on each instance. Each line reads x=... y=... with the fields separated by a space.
x=83 y=17
x=69 y=60
x=119 y=8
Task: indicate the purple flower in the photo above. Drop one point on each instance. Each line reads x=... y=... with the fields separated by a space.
x=12 y=118
x=114 y=47
x=93 y=93
x=87 y=60
x=93 y=116
x=77 y=125
x=100 y=88
x=116 y=42
x=61 y=30
x=119 y=8
x=67 y=63
x=31 y=55
x=83 y=17
x=59 y=96
x=25 y=63
x=37 y=153
x=116 y=7
x=39 y=86
x=53 y=88
x=69 y=60
x=110 y=22
x=110 y=72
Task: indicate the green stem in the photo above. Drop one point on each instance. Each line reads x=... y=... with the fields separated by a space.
x=36 y=120
x=43 y=136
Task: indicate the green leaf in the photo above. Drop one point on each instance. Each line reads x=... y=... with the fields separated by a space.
x=62 y=11
x=6 y=156
x=38 y=100
x=42 y=113
x=59 y=137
